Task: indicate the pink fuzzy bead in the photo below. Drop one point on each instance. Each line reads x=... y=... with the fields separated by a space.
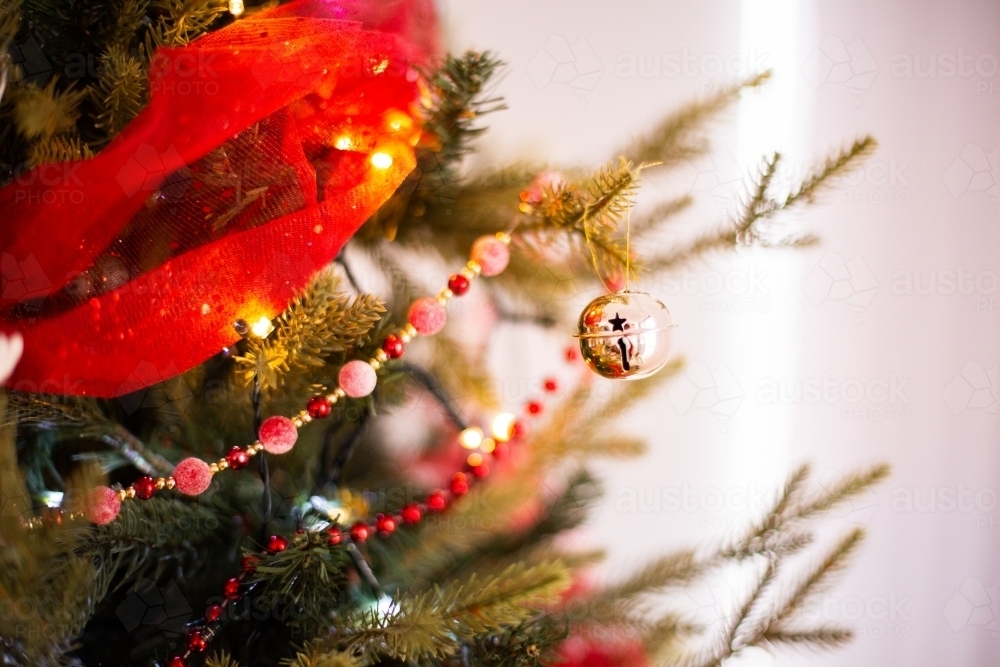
x=102 y=505
x=278 y=434
x=357 y=378
x=427 y=316
x=192 y=476
x=491 y=254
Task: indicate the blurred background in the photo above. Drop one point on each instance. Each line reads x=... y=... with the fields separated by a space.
x=881 y=344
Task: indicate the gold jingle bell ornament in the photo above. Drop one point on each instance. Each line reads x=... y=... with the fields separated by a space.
x=625 y=335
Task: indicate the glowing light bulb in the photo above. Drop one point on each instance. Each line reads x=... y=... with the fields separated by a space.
x=236 y=7
x=262 y=328
x=471 y=438
x=503 y=426
x=381 y=160
x=343 y=143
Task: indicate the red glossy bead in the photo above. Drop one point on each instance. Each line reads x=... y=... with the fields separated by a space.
x=410 y=513
x=501 y=450
x=177 y=661
x=318 y=407
x=385 y=524
x=145 y=487
x=231 y=589
x=335 y=536
x=237 y=458
x=459 y=484
x=437 y=500
x=481 y=470
x=550 y=385
x=572 y=354
x=213 y=613
x=393 y=346
x=276 y=544
x=195 y=642
x=249 y=564
x=458 y=284
x=360 y=531
x=534 y=407
x=519 y=431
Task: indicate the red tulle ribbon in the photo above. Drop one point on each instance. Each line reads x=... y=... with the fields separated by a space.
x=263 y=148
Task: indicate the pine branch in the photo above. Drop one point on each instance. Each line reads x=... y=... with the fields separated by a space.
x=121 y=89
x=824 y=638
x=223 y=660
x=41 y=113
x=832 y=563
x=433 y=624
x=747 y=225
x=304 y=581
x=317 y=324
x=678 y=137
x=183 y=21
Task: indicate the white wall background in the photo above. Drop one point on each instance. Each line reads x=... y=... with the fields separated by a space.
x=904 y=291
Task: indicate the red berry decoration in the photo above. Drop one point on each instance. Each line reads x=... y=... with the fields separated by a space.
x=177 y=661
x=195 y=642
x=481 y=470
x=385 y=524
x=501 y=450
x=249 y=564
x=213 y=613
x=410 y=513
x=458 y=284
x=278 y=434
x=550 y=385
x=318 y=407
x=102 y=505
x=393 y=346
x=192 y=476
x=237 y=458
x=427 y=316
x=519 y=431
x=231 y=589
x=360 y=531
x=144 y=487
x=459 y=484
x=276 y=544
x=437 y=500
x=534 y=407
x=335 y=536
x=572 y=354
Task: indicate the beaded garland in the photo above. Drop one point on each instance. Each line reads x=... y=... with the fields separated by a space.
x=382 y=525
x=357 y=378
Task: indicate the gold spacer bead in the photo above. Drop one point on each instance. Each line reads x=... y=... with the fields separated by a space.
x=467 y=273
x=375 y=363
x=122 y=495
x=160 y=483
x=339 y=392
x=410 y=330
x=503 y=237
x=474 y=266
x=445 y=294
x=381 y=355
x=223 y=464
x=305 y=417
x=333 y=398
x=405 y=337
x=130 y=492
x=170 y=483
x=297 y=421
x=213 y=468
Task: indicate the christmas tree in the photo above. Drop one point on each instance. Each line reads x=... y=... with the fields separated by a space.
x=202 y=453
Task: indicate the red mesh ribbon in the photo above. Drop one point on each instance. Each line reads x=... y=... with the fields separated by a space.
x=263 y=148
